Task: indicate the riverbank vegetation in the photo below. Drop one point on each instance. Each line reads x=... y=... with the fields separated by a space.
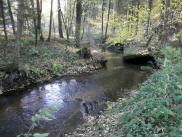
x=154 y=110
x=39 y=42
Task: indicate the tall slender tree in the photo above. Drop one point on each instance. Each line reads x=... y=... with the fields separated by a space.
x=102 y=19
x=50 y=24
x=11 y=16
x=60 y=20
x=150 y=4
x=34 y=21
x=20 y=27
x=39 y=20
x=78 y=22
x=3 y=19
x=108 y=16
x=137 y=17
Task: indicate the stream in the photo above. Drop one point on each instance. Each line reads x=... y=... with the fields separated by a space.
x=76 y=97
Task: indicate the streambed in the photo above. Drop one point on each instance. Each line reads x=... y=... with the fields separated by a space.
x=74 y=96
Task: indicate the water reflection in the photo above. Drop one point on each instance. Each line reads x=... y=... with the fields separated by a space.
x=77 y=97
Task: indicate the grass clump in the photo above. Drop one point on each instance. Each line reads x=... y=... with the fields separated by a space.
x=155 y=111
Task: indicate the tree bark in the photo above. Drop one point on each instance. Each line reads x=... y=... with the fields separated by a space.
x=3 y=18
x=65 y=25
x=150 y=4
x=60 y=21
x=102 y=25
x=108 y=16
x=78 y=22
x=20 y=26
x=34 y=21
x=11 y=16
x=39 y=19
x=137 y=16
x=50 y=24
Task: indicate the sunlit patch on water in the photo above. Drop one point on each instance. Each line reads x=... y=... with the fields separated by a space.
x=62 y=104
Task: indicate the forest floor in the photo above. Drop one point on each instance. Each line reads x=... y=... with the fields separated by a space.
x=48 y=60
x=152 y=111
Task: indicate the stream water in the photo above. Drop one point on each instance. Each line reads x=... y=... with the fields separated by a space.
x=76 y=96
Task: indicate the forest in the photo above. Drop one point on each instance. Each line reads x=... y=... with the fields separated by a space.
x=89 y=68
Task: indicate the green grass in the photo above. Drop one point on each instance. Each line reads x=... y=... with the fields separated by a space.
x=156 y=109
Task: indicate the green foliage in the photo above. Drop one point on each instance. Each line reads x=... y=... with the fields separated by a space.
x=155 y=111
x=34 y=52
x=27 y=41
x=58 y=68
x=53 y=53
x=45 y=114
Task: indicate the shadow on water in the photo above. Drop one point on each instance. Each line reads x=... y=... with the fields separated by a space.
x=76 y=96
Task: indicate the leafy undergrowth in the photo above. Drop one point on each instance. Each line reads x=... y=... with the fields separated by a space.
x=153 y=111
x=47 y=60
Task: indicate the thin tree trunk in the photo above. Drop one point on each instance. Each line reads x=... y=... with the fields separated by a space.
x=11 y=16
x=78 y=22
x=102 y=25
x=137 y=16
x=3 y=17
x=50 y=25
x=71 y=19
x=39 y=19
x=108 y=16
x=65 y=25
x=83 y=29
x=59 y=20
x=150 y=4
x=166 y=26
x=20 y=26
x=34 y=22
x=54 y=29
x=167 y=13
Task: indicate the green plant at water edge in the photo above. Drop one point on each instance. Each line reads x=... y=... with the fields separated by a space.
x=58 y=68
x=45 y=114
x=155 y=111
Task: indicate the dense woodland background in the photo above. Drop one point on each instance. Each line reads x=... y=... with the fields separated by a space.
x=40 y=39
x=27 y=25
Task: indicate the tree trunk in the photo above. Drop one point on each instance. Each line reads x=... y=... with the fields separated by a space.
x=34 y=21
x=4 y=21
x=108 y=16
x=167 y=13
x=65 y=25
x=150 y=4
x=11 y=16
x=137 y=16
x=59 y=20
x=39 y=19
x=20 y=26
x=166 y=20
x=50 y=24
x=102 y=25
x=71 y=19
x=78 y=22
x=117 y=6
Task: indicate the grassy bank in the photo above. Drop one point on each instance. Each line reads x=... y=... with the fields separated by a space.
x=45 y=61
x=153 y=111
